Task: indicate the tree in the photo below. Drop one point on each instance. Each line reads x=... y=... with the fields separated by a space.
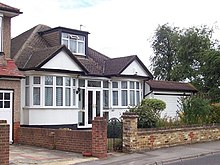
x=188 y=54
x=165 y=49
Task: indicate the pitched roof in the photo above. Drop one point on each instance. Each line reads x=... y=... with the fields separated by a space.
x=9 y=69
x=171 y=86
x=32 y=48
x=7 y=8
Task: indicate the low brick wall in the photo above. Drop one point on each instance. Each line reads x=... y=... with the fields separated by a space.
x=60 y=139
x=93 y=141
x=135 y=139
x=4 y=142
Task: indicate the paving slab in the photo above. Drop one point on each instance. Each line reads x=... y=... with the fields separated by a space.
x=28 y=155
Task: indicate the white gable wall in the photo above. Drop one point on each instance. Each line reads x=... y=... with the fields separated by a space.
x=62 y=61
x=135 y=69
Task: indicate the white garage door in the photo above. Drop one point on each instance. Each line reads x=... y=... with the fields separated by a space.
x=6 y=108
x=172 y=104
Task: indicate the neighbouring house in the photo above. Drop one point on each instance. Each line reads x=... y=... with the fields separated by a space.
x=10 y=76
x=170 y=92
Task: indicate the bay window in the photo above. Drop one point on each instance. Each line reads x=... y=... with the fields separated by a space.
x=50 y=91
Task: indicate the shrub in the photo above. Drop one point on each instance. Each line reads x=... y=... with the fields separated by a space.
x=215 y=113
x=195 y=110
x=149 y=112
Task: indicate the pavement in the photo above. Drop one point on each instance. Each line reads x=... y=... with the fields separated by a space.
x=26 y=155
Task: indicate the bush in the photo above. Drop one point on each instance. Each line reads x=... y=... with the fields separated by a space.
x=195 y=110
x=215 y=113
x=149 y=112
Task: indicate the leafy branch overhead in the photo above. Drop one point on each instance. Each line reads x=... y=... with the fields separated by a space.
x=187 y=55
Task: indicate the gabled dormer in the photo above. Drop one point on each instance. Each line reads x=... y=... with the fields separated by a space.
x=75 y=40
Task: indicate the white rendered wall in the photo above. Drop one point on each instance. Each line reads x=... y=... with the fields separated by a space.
x=62 y=61
x=50 y=116
x=134 y=69
x=116 y=113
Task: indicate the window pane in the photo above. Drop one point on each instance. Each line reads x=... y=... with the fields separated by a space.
x=98 y=107
x=137 y=97
x=48 y=80
x=105 y=84
x=65 y=42
x=131 y=84
x=115 y=98
x=1 y=104
x=59 y=96
x=67 y=97
x=67 y=81
x=36 y=96
x=74 y=82
x=36 y=80
x=27 y=96
x=81 y=38
x=48 y=96
x=82 y=99
x=27 y=80
x=6 y=104
x=132 y=98
x=64 y=35
x=124 y=98
x=105 y=99
x=1 y=96
x=59 y=81
x=74 y=97
x=94 y=83
x=114 y=84
x=81 y=83
x=7 y=96
x=137 y=85
x=81 y=47
x=124 y=85
x=73 y=45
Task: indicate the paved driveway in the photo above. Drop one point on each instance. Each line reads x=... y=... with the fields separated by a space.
x=26 y=155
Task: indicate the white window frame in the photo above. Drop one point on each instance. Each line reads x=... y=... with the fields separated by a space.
x=79 y=39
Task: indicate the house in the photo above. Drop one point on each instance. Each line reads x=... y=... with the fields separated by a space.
x=67 y=83
x=170 y=92
x=10 y=76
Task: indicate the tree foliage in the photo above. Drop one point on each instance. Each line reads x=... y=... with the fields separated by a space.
x=188 y=54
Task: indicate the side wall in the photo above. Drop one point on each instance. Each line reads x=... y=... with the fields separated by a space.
x=14 y=85
x=137 y=140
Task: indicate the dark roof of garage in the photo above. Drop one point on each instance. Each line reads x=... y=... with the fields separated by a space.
x=171 y=86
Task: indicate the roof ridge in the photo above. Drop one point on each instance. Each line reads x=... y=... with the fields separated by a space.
x=36 y=28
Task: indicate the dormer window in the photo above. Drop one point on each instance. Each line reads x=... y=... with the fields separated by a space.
x=75 y=43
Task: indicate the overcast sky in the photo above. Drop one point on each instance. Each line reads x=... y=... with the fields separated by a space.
x=117 y=27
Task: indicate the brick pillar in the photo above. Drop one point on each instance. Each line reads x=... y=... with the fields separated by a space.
x=4 y=142
x=130 y=130
x=16 y=127
x=99 y=137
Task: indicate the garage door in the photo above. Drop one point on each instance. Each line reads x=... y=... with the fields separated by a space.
x=6 y=108
x=172 y=104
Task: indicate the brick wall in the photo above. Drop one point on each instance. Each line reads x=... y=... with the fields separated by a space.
x=4 y=142
x=137 y=140
x=60 y=139
x=93 y=141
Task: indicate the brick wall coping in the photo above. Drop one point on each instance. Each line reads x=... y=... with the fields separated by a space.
x=129 y=115
x=143 y=132
x=60 y=129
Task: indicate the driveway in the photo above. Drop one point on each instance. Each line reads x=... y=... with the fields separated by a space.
x=26 y=155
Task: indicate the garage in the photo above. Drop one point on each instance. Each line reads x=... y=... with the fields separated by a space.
x=172 y=104
x=6 y=108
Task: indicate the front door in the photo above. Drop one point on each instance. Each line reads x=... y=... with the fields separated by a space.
x=6 y=108
x=94 y=106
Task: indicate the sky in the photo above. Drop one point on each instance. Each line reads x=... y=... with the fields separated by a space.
x=117 y=27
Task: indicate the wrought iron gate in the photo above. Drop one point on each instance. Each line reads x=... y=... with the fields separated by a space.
x=114 y=134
